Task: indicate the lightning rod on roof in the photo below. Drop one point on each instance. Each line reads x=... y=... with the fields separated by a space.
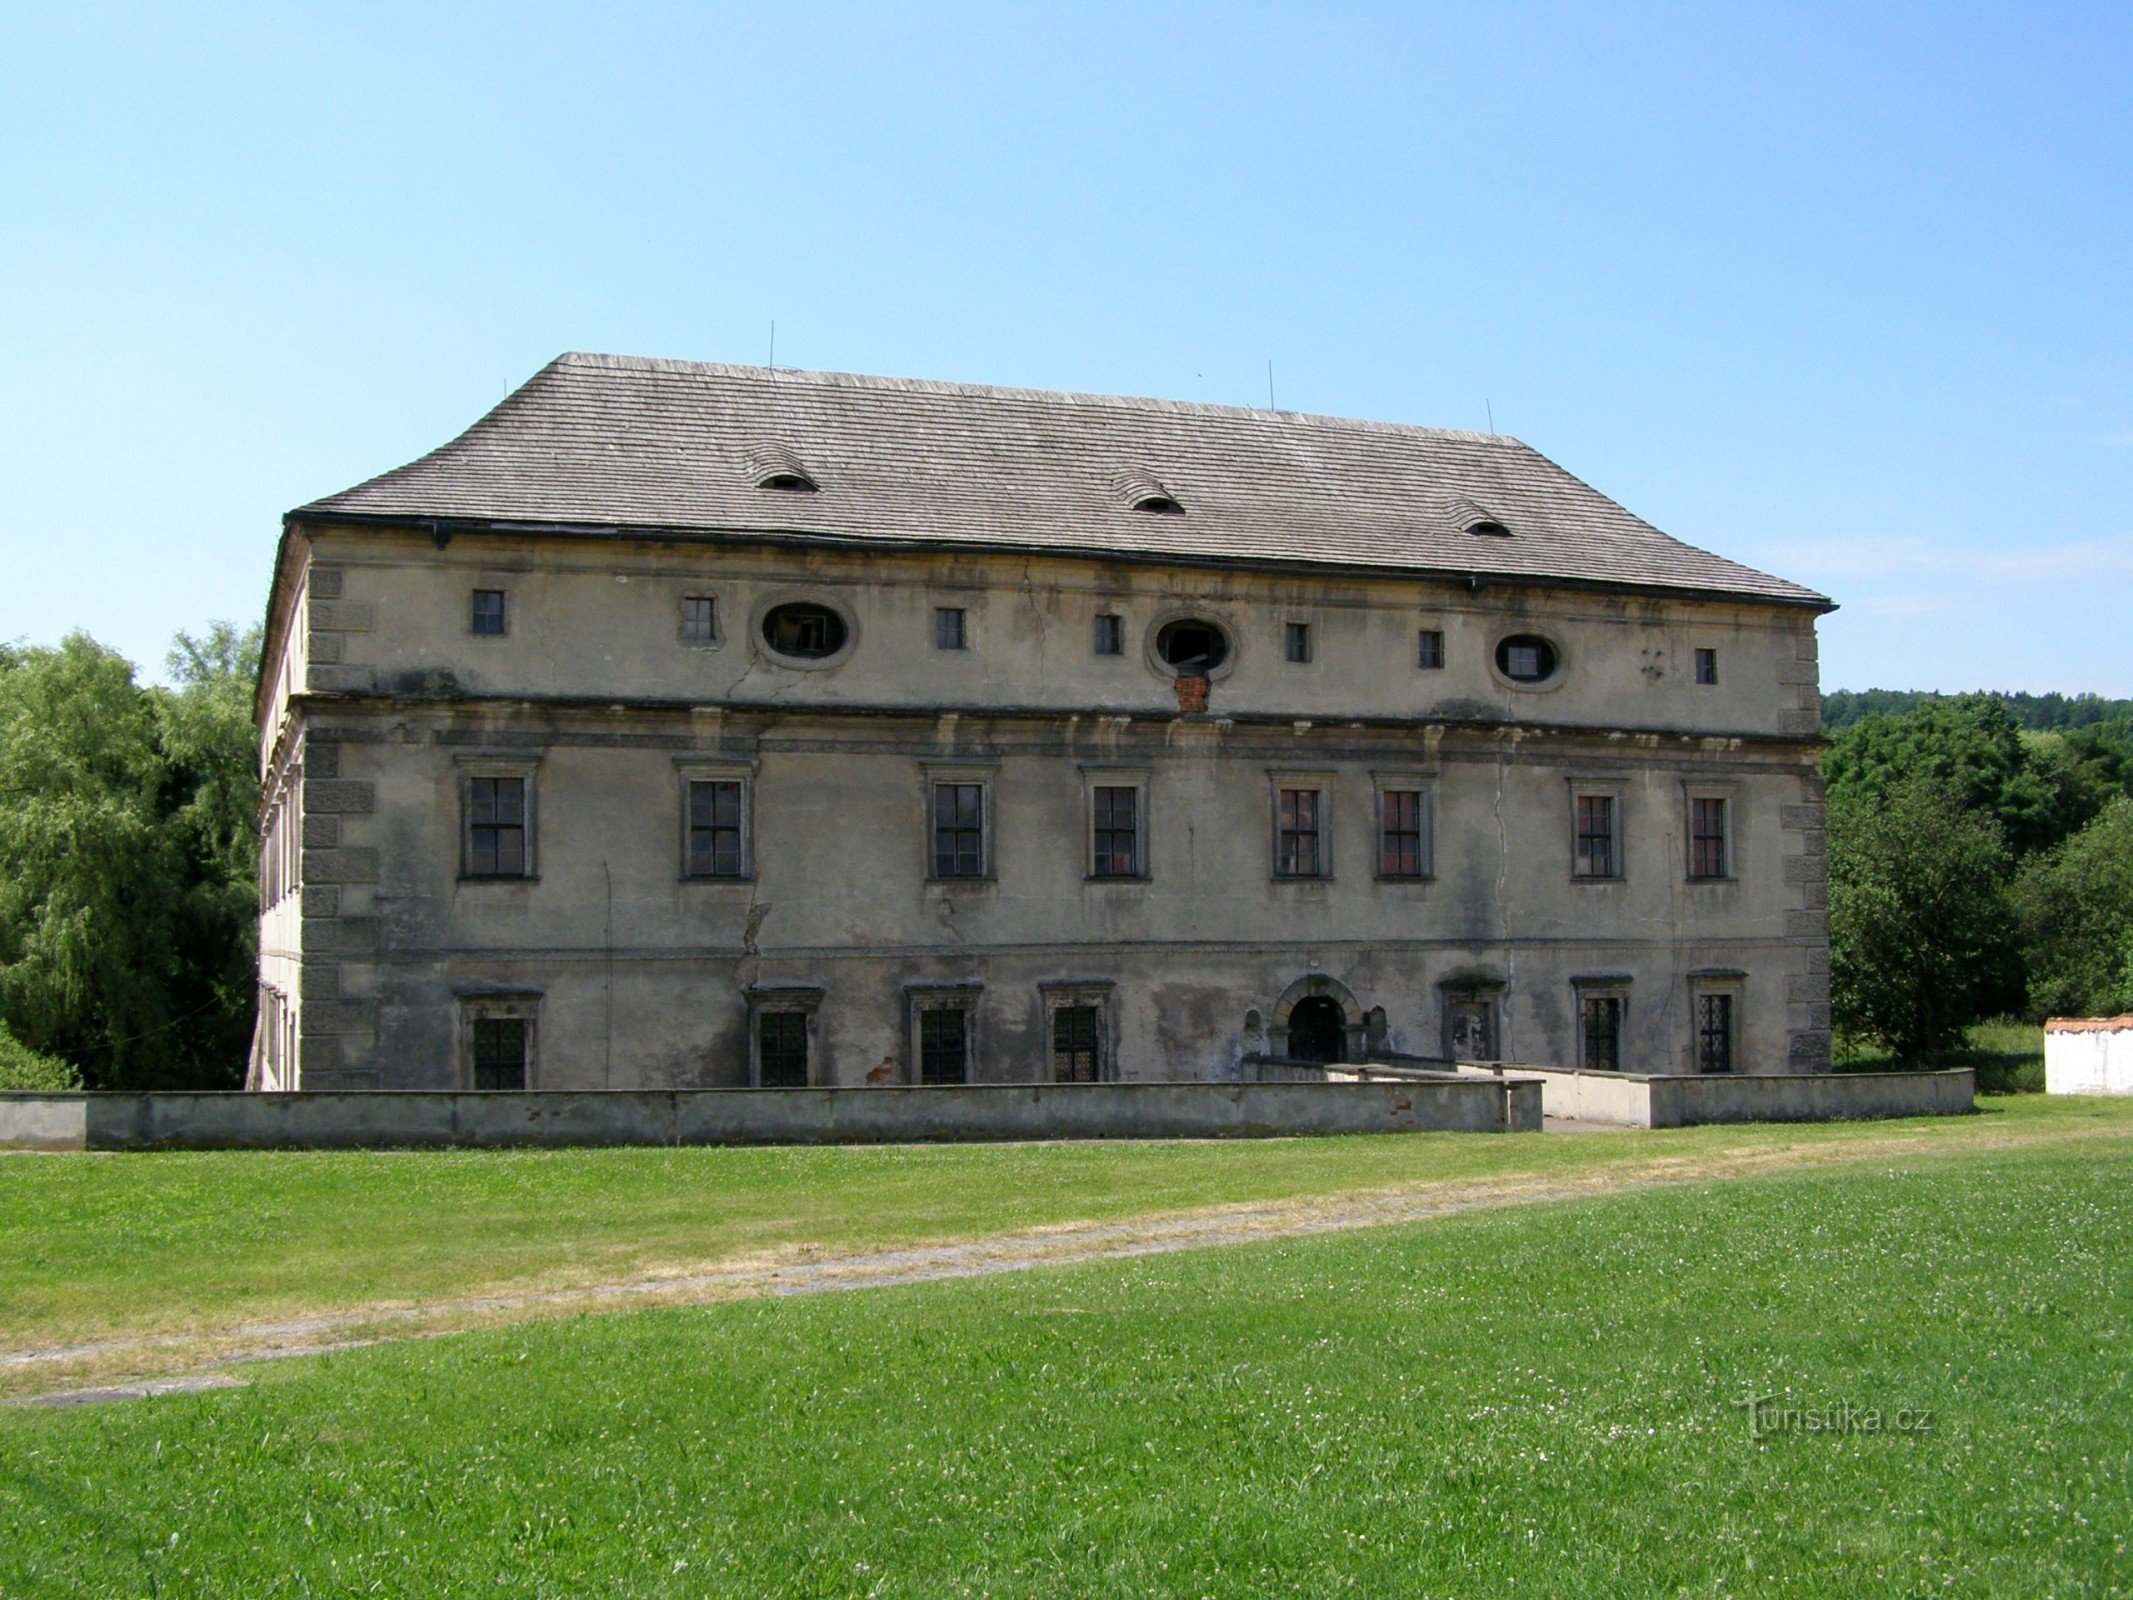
x=1270 y=383
x=1492 y=414
x=773 y=344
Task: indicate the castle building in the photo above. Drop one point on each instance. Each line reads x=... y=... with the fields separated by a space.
x=683 y=725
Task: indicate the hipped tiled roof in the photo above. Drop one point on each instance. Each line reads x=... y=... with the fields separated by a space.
x=596 y=441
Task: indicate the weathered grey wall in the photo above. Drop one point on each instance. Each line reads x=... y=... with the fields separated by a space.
x=1689 y=1100
x=763 y=1116
x=641 y=975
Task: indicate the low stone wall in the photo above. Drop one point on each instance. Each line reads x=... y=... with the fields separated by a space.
x=888 y=1115
x=1687 y=1100
x=2088 y=1055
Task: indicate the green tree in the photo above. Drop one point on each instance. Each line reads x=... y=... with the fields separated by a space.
x=1922 y=940
x=126 y=861
x=2076 y=910
x=1972 y=745
x=22 y=1068
x=210 y=797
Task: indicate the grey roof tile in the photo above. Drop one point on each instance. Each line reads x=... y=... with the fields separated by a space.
x=629 y=443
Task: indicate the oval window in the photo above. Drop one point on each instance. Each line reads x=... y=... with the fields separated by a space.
x=805 y=631
x=1192 y=648
x=1526 y=658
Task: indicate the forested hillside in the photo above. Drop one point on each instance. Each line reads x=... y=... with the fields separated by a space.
x=2036 y=712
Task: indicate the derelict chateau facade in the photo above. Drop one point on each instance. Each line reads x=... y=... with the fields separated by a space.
x=702 y=726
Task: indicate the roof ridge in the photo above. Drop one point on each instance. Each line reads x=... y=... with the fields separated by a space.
x=991 y=391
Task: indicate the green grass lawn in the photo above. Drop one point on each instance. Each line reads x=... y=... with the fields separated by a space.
x=96 y=1247
x=1535 y=1400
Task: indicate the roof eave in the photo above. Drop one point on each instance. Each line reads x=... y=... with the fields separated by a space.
x=451 y=526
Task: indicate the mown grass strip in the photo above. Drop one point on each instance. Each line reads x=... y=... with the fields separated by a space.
x=1536 y=1401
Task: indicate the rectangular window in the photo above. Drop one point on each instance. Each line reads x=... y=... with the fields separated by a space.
x=1706 y=666
x=1077 y=1044
x=1595 y=854
x=1714 y=1033
x=781 y=1049
x=1299 y=844
x=488 y=614
x=1118 y=831
x=1299 y=641
x=699 y=619
x=499 y=1052
x=496 y=827
x=716 y=819
x=943 y=1044
x=959 y=830
x=1429 y=652
x=1601 y=1015
x=948 y=630
x=1707 y=838
x=1400 y=834
x=1110 y=635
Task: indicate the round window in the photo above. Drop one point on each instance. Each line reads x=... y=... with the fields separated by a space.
x=1526 y=658
x=1191 y=648
x=805 y=631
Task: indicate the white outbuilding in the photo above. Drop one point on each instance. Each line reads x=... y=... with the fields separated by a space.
x=2088 y=1055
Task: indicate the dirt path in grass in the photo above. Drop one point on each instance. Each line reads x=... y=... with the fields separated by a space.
x=146 y=1363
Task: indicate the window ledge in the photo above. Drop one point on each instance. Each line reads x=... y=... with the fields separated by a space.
x=498 y=877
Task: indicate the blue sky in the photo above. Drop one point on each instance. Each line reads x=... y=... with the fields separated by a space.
x=1843 y=293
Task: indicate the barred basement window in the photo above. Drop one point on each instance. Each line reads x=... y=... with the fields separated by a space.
x=496 y=827
x=959 y=830
x=950 y=631
x=1714 y=1033
x=1429 y=650
x=1595 y=854
x=699 y=619
x=1077 y=1044
x=1601 y=1015
x=943 y=1045
x=499 y=1052
x=1400 y=834
x=1707 y=838
x=1117 y=832
x=716 y=821
x=1110 y=635
x=1299 y=845
x=487 y=617
x=781 y=1049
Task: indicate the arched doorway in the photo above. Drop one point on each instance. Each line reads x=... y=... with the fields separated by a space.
x=1318 y=1031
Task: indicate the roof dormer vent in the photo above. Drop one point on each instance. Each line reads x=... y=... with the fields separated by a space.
x=1470 y=516
x=775 y=467
x=1143 y=491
